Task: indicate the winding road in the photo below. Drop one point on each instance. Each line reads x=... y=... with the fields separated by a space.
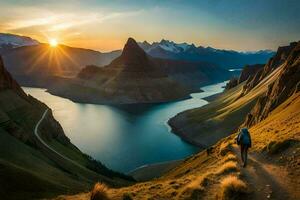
x=45 y=144
x=61 y=160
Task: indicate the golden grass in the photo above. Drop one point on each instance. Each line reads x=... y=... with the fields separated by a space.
x=281 y=124
x=232 y=188
x=230 y=157
x=99 y=192
x=278 y=146
x=227 y=167
x=195 y=189
x=127 y=196
x=225 y=148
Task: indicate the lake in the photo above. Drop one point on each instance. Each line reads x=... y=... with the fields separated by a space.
x=124 y=139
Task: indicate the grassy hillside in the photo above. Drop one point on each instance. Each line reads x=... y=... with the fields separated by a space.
x=206 y=125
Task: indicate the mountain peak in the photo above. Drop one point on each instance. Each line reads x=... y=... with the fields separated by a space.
x=16 y=40
x=133 y=56
x=132 y=51
x=130 y=40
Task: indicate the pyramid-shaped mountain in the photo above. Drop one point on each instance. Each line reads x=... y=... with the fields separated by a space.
x=135 y=61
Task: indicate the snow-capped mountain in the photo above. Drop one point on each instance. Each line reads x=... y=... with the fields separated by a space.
x=167 y=46
x=184 y=51
x=9 y=41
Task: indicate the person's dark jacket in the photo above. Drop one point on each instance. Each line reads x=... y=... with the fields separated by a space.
x=244 y=138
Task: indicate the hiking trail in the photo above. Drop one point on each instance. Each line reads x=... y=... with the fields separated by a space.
x=266 y=180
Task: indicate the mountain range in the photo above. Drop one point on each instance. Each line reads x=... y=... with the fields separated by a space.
x=9 y=41
x=189 y=52
x=136 y=77
x=32 y=62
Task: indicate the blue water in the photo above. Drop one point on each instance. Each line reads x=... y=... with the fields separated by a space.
x=124 y=139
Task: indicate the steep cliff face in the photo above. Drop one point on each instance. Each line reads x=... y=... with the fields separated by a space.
x=7 y=82
x=249 y=71
x=287 y=83
x=247 y=74
x=276 y=61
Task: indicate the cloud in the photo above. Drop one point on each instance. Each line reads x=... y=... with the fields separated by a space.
x=41 y=20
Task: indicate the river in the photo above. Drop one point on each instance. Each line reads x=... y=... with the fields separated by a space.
x=124 y=139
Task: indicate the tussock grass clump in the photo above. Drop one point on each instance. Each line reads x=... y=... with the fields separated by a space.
x=192 y=193
x=227 y=168
x=195 y=189
x=230 y=157
x=233 y=188
x=127 y=196
x=99 y=192
x=225 y=148
x=275 y=147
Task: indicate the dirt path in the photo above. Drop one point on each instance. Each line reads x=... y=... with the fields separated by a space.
x=46 y=145
x=267 y=181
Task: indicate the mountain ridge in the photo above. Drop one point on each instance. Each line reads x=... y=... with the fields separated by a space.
x=189 y=52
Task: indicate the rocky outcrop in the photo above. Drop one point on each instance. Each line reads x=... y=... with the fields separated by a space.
x=232 y=83
x=248 y=72
x=276 y=61
x=288 y=83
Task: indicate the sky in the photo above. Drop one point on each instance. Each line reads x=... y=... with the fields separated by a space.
x=105 y=25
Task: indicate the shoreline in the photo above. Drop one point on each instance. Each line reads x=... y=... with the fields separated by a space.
x=154 y=170
x=181 y=135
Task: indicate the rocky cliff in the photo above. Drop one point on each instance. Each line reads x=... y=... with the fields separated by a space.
x=7 y=82
x=276 y=61
x=248 y=72
x=287 y=83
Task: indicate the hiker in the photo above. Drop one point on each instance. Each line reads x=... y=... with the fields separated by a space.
x=244 y=140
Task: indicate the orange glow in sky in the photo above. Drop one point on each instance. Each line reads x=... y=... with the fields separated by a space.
x=105 y=25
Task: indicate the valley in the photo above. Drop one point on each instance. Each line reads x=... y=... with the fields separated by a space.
x=149 y=100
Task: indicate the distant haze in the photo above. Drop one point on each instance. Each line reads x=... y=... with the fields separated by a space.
x=105 y=25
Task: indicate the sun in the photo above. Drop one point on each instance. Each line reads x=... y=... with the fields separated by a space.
x=53 y=42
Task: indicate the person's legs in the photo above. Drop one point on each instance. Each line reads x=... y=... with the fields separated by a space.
x=245 y=152
x=242 y=152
